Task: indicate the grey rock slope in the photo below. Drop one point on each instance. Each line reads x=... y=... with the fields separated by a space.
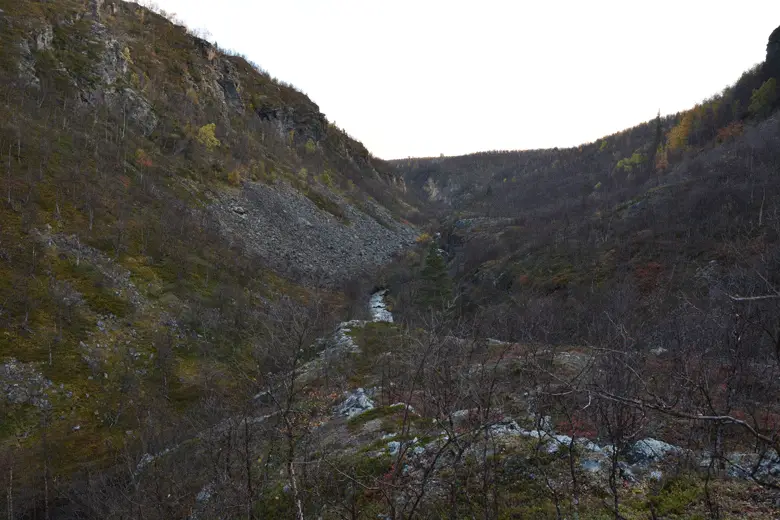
x=290 y=232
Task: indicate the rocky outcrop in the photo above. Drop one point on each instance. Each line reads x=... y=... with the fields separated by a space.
x=304 y=121
x=95 y=7
x=114 y=64
x=651 y=450
x=355 y=404
x=225 y=86
x=341 y=344
x=44 y=38
x=114 y=274
x=431 y=189
x=137 y=109
x=22 y=383
x=751 y=465
x=26 y=66
x=773 y=53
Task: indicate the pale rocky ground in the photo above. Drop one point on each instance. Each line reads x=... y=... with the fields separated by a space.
x=287 y=230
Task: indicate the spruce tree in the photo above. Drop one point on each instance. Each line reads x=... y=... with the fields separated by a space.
x=657 y=142
x=436 y=288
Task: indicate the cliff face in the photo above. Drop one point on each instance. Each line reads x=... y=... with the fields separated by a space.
x=773 y=53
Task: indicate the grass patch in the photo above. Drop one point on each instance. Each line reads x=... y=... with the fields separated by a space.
x=327 y=205
x=379 y=412
x=677 y=496
x=374 y=339
x=93 y=287
x=276 y=503
x=18 y=419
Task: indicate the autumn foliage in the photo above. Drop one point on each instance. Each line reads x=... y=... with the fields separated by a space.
x=648 y=275
x=730 y=131
x=142 y=159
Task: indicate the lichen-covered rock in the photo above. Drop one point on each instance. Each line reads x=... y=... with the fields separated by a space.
x=748 y=465
x=355 y=404
x=27 y=73
x=21 y=383
x=114 y=64
x=651 y=450
x=44 y=38
x=138 y=111
x=508 y=427
x=591 y=465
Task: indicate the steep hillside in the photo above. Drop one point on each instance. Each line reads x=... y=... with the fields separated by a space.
x=145 y=97
x=164 y=204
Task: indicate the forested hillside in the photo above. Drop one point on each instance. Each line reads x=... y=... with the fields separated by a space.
x=664 y=198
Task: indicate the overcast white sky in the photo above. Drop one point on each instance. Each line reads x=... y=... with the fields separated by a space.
x=424 y=77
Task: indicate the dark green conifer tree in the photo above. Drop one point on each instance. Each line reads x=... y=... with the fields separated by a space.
x=436 y=289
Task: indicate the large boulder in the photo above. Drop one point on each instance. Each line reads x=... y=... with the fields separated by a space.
x=356 y=403
x=765 y=466
x=651 y=450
